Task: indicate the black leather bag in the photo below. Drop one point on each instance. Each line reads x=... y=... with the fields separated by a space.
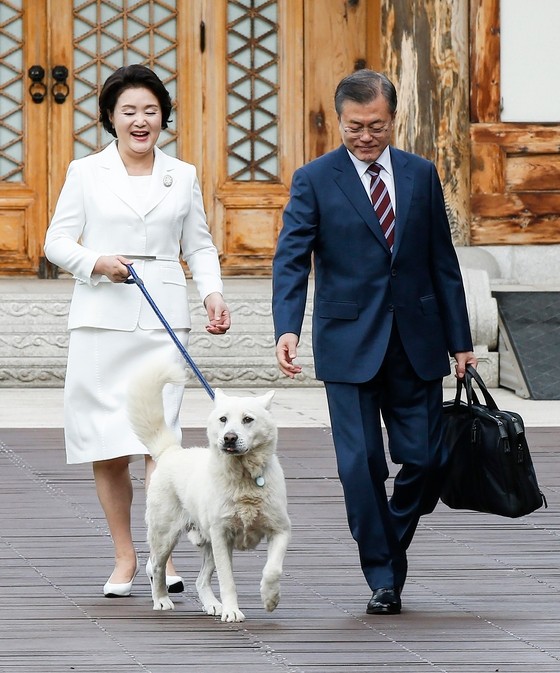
x=490 y=468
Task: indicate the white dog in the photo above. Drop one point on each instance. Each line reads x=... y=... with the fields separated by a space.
x=228 y=496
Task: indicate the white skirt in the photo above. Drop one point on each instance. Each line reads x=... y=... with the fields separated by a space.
x=101 y=364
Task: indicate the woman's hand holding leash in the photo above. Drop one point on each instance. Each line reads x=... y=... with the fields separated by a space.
x=114 y=267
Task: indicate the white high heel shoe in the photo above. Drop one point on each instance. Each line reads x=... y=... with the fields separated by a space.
x=174 y=583
x=119 y=589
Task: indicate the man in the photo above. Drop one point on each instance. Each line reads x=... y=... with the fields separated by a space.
x=389 y=308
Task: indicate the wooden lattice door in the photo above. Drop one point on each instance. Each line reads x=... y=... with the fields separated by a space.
x=24 y=100
x=246 y=123
x=268 y=70
x=253 y=90
x=54 y=57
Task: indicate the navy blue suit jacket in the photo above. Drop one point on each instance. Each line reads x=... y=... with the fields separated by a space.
x=360 y=288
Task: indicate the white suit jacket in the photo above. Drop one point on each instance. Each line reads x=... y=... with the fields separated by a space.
x=97 y=214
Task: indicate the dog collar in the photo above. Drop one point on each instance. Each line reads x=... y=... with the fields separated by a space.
x=259 y=481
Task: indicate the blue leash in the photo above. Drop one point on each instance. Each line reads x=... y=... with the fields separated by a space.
x=138 y=281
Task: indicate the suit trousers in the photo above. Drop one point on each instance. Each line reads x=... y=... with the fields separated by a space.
x=411 y=409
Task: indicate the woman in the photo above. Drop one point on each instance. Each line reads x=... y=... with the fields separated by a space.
x=130 y=203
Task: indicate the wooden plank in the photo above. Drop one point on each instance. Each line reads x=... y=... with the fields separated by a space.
x=425 y=54
x=343 y=29
x=516 y=205
x=537 y=172
x=510 y=137
x=487 y=169
x=485 y=60
x=507 y=231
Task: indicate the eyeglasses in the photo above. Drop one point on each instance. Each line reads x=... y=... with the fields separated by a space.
x=359 y=131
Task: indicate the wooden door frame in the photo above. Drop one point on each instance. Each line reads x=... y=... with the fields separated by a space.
x=61 y=117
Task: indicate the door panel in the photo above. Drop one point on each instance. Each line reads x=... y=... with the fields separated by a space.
x=246 y=125
x=23 y=138
x=339 y=37
x=515 y=175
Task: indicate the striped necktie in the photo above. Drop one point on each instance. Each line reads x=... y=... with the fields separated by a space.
x=382 y=204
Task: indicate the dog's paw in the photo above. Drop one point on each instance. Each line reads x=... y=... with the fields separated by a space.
x=163 y=603
x=270 y=603
x=232 y=614
x=213 y=609
x=270 y=595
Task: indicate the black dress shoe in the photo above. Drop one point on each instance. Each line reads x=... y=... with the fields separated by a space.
x=384 y=602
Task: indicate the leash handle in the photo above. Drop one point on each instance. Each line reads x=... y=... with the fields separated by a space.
x=135 y=279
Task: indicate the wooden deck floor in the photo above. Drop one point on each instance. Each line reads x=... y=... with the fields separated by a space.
x=483 y=593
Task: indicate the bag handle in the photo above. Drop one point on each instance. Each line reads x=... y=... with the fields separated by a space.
x=465 y=383
x=472 y=398
x=472 y=373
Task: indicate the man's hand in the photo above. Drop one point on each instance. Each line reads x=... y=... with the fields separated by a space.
x=218 y=314
x=463 y=359
x=286 y=353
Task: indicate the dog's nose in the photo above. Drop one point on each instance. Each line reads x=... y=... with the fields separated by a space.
x=230 y=439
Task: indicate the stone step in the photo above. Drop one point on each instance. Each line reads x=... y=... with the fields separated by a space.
x=34 y=338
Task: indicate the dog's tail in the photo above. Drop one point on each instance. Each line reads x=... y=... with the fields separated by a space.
x=145 y=405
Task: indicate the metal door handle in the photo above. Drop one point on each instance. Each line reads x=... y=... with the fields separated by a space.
x=37 y=88
x=60 y=88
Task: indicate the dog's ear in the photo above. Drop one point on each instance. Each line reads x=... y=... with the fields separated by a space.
x=266 y=399
x=219 y=394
